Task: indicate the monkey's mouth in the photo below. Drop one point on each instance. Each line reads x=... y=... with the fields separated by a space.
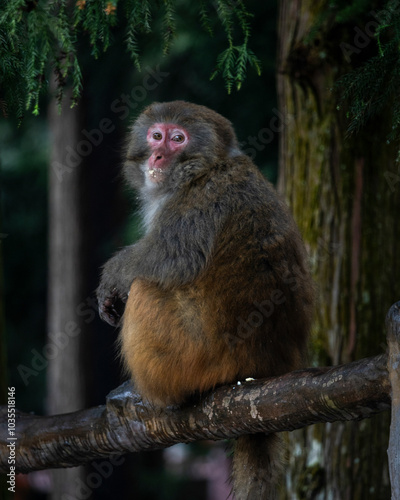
x=156 y=174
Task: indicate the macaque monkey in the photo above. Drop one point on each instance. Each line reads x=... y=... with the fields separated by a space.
x=218 y=288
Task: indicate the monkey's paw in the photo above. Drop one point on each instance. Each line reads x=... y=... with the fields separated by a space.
x=111 y=307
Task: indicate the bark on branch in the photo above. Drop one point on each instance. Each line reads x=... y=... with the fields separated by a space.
x=126 y=424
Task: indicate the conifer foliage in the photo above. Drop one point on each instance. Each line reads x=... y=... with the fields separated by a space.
x=40 y=36
x=373 y=86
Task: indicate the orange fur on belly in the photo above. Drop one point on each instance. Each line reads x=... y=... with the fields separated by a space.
x=168 y=355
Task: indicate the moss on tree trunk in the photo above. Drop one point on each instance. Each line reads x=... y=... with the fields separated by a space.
x=345 y=199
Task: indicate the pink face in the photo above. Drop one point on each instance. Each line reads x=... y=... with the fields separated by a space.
x=166 y=140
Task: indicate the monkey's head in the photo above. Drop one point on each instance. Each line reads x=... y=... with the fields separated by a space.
x=172 y=143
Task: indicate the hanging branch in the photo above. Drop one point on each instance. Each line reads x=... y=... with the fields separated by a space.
x=34 y=34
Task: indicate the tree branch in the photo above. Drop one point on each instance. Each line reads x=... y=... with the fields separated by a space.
x=126 y=424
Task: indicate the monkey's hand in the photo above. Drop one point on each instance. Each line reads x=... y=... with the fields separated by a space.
x=111 y=307
x=112 y=293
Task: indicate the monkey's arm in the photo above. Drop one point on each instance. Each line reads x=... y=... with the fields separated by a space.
x=178 y=249
x=173 y=253
x=116 y=279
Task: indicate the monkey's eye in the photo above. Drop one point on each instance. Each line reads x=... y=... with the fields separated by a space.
x=157 y=136
x=178 y=138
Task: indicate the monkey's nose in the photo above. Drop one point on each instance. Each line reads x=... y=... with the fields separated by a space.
x=158 y=160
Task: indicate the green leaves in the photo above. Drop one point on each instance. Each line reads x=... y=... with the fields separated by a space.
x=232 y=65
x=169 y=25
x=374 y=86
x=96 y=18
x=39 y=37
x=139 y=20
x=36 y=36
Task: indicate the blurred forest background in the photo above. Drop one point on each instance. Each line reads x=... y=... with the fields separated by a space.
x=112 y=89
x=343 y=192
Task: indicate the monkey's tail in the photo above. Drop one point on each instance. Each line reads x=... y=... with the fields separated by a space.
x=257 y=465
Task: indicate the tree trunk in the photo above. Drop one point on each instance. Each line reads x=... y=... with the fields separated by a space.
x=65 y=376
x=347 y=212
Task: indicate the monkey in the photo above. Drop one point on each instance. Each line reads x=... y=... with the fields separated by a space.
x=218 y=288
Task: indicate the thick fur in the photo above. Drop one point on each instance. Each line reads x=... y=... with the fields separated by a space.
x=219 y=285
